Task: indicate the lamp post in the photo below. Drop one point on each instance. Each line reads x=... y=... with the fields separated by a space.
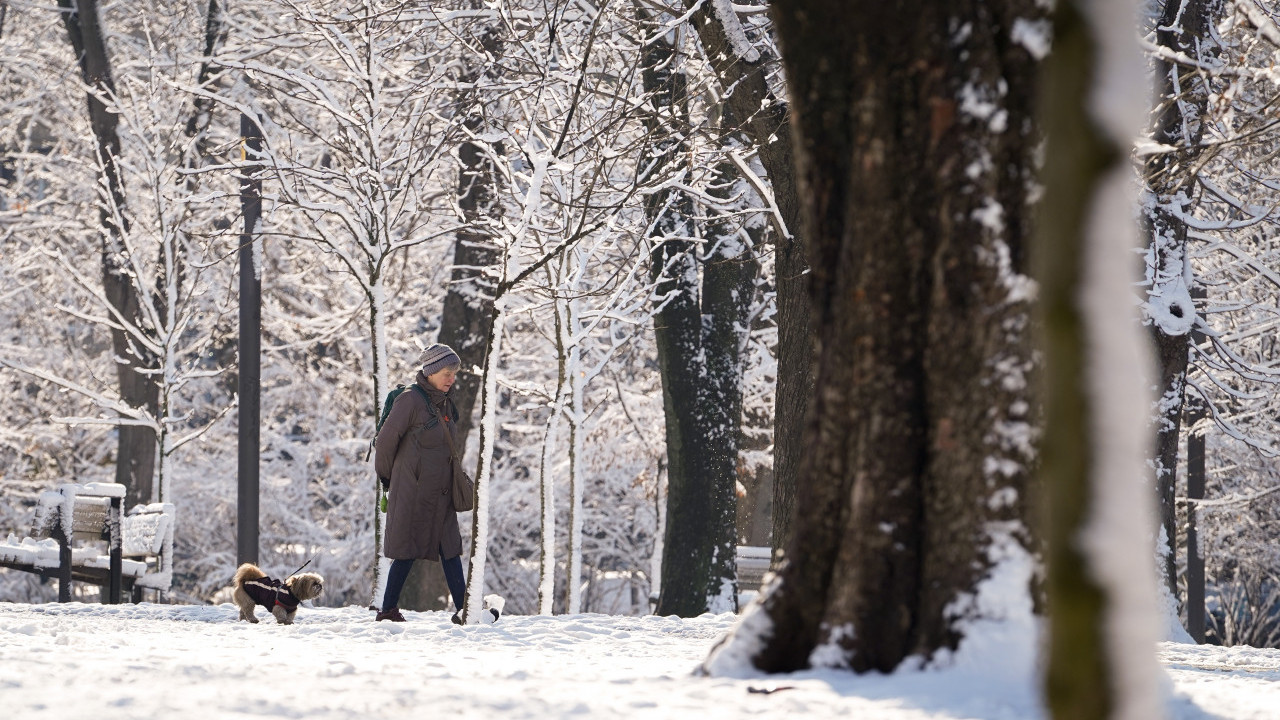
x=250 y=346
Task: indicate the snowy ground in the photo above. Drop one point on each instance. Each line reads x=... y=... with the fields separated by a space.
x=157 y=661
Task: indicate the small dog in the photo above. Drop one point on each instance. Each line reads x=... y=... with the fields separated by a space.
x=253 y=587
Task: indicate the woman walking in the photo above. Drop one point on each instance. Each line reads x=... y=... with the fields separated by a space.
x=414 y=458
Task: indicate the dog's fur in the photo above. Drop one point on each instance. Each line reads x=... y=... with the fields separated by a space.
x=304 y=586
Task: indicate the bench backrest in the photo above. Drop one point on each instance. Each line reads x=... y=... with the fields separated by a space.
x=146 y=530
x=89 y=517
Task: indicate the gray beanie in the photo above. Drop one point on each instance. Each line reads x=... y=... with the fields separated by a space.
x=437 y=358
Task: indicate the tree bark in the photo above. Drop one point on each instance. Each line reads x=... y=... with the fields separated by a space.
x=136 y=444
x=751 y=108
x=1182 y=100
x=914 y=137
x=1077 y=681
x=466 y=319
x=698 y=333
x=468 y=306
x=686 y=566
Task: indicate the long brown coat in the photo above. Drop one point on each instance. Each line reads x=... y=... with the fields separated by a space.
x=413 y=451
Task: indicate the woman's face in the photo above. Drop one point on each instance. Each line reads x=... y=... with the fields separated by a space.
x=442 y=380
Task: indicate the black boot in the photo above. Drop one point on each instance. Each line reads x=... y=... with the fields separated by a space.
x=391 y=613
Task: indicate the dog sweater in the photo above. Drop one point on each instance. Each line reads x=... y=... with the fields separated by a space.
x=270 y=592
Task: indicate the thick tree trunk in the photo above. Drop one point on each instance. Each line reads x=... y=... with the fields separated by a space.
x=697 y=332
x=729 y=272
x=1182 y=99
x=468 y=306
x=752 y=109
x=914 y=142
x=677 y=325
x=136 y=445
x=466 y=319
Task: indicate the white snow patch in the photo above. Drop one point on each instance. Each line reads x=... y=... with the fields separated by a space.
x=1004 y=497
x=998 y=623
x=342 y=664
x=733 y=30
x=832 y=654
x=975 y=102
x=731 y=657
x=1034 y=35
x=1171 y=308
x=991 y=216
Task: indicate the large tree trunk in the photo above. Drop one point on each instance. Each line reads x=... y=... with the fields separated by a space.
x=136 y=444
x=698 y=334
x=677 y=329
x=752 y=109
x=913 y=145
x=1182 y=98
x=468 y=306
x=466 y=319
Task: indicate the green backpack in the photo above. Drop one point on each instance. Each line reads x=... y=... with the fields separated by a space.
x=386 y=410
x=391 y=399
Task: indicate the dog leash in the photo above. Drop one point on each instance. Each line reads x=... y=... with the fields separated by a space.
x=283 y=588
x=295 y=572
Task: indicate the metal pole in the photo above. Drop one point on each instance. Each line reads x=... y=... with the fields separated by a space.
x=250 y=347
x=1195 y=492
x=115 y=532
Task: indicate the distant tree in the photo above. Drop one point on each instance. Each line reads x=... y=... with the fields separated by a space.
x=1229 y=215
x=360 y=85
x=1185 y=47
x=467 y=310
x=746 y=70
x=914 y=143
x=700 y=296
x=468 y=304
x=136 y=447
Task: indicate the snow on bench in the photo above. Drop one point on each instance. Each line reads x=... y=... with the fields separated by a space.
x=71 y=523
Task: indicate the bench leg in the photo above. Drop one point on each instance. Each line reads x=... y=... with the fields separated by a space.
x=64 y=572
x=115 y=543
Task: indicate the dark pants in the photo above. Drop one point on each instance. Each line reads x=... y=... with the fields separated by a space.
x=400 y=572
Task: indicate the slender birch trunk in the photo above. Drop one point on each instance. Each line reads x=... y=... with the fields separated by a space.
x=547 y=564
x=474 y=605
x=1100 y=582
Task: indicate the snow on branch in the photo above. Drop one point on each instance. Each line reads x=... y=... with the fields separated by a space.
x=734 y=31
x=128 y=415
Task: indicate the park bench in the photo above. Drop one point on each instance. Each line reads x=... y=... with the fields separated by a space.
x=753 y=562
x=75 y=523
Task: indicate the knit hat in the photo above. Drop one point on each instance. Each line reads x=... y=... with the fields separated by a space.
x=437 y=358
